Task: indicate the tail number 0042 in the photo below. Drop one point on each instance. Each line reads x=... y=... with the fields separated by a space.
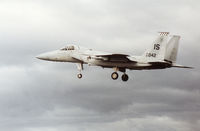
x=150 y=54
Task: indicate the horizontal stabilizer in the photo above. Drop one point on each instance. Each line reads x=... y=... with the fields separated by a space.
x=181 y=66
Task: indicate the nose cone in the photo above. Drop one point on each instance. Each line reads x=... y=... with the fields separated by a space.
x=50 y=56
x=43 y=56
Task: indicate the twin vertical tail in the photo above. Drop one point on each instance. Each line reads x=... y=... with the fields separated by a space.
x=172 y=49
x=164 y=50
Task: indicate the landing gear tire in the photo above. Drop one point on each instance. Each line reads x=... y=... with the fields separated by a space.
x=114 y=75
x=79 y=76
x=125 y=77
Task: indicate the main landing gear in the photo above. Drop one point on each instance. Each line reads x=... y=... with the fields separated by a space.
x=115 y=75
x=125 y=77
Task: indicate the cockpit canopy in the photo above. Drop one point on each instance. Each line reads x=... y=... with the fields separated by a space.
x=71 y=47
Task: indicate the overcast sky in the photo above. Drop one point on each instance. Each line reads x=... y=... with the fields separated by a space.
x=38 y=95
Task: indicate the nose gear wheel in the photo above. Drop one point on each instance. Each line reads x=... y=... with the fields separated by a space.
x=79 y=76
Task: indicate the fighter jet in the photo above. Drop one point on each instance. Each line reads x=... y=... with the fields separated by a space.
x=162 y=54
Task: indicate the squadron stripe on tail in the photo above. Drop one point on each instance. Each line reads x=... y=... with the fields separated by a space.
x=164 y=33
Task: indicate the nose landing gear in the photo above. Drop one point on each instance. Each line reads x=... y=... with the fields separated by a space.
x=79 y=76
x=80 y=68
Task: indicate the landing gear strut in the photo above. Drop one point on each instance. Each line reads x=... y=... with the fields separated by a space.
x=80 y=68
x=114 y=75
x=125 y=77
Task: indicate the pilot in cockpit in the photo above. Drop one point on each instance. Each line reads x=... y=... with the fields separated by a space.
x=68 y=48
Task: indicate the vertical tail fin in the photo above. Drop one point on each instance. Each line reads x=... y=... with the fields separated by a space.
x=172 y=49
x=157 y=50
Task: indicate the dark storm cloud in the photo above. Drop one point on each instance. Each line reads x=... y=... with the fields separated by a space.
x=39 y=95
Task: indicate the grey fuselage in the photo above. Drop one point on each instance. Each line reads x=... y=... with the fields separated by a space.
x=88 y=56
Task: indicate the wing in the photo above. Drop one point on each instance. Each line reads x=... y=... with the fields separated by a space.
x=102 y=56
x=114 y=58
